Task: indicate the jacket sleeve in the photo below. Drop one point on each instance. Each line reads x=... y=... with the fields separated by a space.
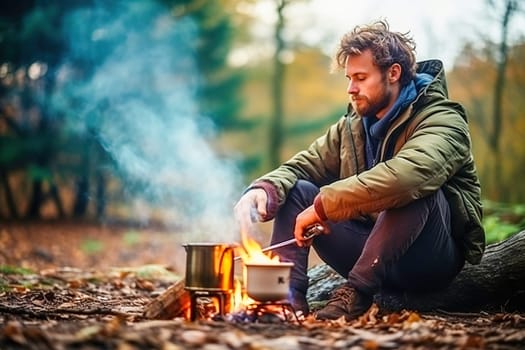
x=319 y=163
x=431 y=155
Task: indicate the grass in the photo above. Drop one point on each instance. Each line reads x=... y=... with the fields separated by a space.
x=92 y=246
x=11 y=270
x=131 y=238
x=502 y=220
x=15 y=270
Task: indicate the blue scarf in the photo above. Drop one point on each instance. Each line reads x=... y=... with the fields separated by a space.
x=375 y=129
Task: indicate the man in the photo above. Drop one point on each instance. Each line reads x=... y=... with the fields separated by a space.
x=393 y=182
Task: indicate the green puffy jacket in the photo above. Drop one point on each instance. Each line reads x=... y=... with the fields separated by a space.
x=432 y=150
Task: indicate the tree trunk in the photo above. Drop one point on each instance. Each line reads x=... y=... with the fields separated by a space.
x=9 y=198
x=81 y=196
x=498 y=282
x=37 y=197
x=55 y=196
x=101 y=195
x=276 y=124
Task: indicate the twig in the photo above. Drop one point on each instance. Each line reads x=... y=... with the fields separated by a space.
x=461 y=314
x=43 y=313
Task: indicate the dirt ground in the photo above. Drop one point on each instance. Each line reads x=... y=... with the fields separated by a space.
x=48 y=244
x=85 y=286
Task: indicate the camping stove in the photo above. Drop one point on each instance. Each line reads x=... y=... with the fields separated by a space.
x=268 y=285
x=209 y=277
x=205 y=303
x=210 y=283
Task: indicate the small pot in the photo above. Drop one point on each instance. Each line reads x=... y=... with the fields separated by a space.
x=209 y=266
x=268 y=282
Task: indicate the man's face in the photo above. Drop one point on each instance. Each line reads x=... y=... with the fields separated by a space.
x=371 y=92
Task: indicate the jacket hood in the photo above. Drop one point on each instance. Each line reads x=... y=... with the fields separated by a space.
x=435 y=69
x=436 y=92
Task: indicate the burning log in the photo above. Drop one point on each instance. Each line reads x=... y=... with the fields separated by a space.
x=496 y=283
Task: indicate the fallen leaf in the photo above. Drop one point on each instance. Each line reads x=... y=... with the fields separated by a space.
x=88 y=332
x=145 y=285
x=370 y=345
x=13 y=331
x=193 y=337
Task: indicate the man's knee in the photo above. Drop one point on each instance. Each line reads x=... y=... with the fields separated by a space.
x=304 y=189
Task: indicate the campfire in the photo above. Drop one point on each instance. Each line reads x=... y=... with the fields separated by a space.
x=266 y=283
x=215 y=292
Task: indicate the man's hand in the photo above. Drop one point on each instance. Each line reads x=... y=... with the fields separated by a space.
x=304 y=220
x=251 y=207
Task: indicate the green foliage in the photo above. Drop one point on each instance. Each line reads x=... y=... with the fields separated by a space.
x=15 y=270
x=6 y=284
x=502 y=220
x=250 y=163
x=497 y=230
x=298 y=129
x=154 y=45
x=36 y=172
x=92 y=246
x=219 y=94
x=131 y=238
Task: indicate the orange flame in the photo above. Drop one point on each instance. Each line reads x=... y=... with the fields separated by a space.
x=251 y=252
x=240 y=298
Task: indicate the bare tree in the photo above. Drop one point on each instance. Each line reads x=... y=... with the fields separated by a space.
x=510 y=9
x=276 y=123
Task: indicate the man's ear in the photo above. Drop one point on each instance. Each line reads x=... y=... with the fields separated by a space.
x=394 y=73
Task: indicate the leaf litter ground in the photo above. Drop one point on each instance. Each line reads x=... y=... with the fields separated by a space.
x=77 y=285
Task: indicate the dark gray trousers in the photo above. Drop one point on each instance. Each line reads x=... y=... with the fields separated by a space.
x=405 y=249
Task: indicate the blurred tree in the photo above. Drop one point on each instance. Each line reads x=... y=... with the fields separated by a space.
x=487 y=78
x=219 y=94
x=49 y=130
x=277 y=88
x=29 y=56
x=472 y=81
x=510 y=7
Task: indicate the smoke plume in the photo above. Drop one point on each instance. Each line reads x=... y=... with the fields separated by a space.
x=136 y=92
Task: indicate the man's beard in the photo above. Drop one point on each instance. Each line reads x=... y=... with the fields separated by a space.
x=372 y=107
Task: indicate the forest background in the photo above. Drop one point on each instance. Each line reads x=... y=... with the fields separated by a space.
x=162 y=111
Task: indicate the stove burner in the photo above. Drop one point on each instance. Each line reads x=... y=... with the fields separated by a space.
x=265 y=312
x=260 y=309
x=201 y=301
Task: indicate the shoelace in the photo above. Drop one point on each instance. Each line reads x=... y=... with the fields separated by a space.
x=345 y=295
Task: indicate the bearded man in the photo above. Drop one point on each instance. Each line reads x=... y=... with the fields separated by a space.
x=393 y=182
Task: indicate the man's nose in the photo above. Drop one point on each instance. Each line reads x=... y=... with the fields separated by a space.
x=352 y=88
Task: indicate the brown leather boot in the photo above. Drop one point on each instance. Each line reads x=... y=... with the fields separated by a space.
x=345 y=301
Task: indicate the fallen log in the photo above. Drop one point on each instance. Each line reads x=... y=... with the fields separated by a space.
x=497 y=283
